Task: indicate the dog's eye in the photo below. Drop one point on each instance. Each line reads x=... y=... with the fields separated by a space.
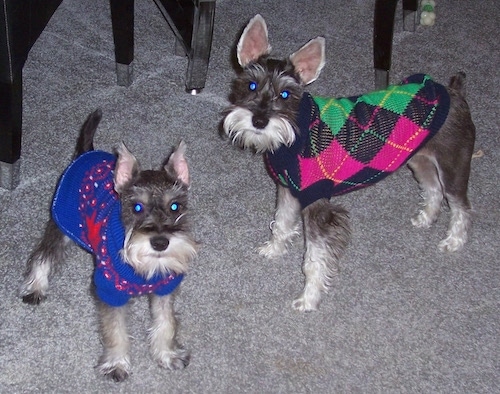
x=138 y=207
x=174 y=207
x=252 y=86
x=285 y=94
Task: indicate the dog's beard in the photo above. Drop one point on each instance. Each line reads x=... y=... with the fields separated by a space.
x=239 y=128
x=148 y=262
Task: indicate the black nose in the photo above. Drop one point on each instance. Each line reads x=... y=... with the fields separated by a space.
x=259 y=121
x=159 y=243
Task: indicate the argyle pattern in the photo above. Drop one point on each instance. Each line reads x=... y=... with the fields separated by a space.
x=348 y=143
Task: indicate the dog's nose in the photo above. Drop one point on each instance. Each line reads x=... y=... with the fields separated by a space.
x=259 y=122
x=159 y=243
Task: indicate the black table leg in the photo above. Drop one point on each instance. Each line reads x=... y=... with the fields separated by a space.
x=201 y=45
x=11 y=111
x=122 y=19
x=192 y=23
x=410 y=8
x=383 y=32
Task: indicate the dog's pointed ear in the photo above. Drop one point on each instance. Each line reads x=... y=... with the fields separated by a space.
x=126 y=167
x=177 y=164
x=309 y=60
x=253 y=42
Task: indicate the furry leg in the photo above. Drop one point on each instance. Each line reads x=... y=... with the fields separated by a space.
x=162 y=335
x=114 y=361
x=427 y=176
x=48 y=254
x=51 y=249
x=285 y=226
x=443 y=166
x=327 y=235
x=460 y=223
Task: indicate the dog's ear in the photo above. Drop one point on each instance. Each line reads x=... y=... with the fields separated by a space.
x=253 y=42
x=126 y=168
x=309 y=60
x=177 y=164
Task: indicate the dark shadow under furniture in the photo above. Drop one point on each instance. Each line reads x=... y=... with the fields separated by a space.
x=383 y=30
x=191 y=21
x=22 y=22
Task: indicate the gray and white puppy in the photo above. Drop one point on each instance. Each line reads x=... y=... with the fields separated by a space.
x=135 y=223
x=271 y=113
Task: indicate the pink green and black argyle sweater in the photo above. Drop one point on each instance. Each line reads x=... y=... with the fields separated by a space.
x=348 y=143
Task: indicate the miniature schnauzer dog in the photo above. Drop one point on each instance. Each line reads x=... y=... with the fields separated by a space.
x=315 y=148
x=135 y=223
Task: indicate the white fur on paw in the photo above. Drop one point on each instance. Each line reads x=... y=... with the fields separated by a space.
x=451 y=244
x=118 y=369
x=272 y=249
x=37 y=282
x=302 y=304
x=178 y=359
x=421 y=220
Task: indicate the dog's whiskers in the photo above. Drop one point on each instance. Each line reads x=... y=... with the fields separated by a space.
x=153 y=239
x=309 y=141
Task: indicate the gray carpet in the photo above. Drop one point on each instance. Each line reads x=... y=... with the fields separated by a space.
x=401 y=317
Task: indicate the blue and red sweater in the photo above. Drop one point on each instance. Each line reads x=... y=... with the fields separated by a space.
x=87 y=210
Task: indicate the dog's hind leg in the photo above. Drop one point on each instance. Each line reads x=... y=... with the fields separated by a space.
x=444 y=180
x=426 y=173
x=51 y=249
x=442 y=168
x=48 y=254
x=460 y=223
x=285 y=226
x=454 y=176
x=327 y=234
x=458 y=135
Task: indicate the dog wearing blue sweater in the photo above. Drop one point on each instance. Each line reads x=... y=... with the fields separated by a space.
x=135 y=225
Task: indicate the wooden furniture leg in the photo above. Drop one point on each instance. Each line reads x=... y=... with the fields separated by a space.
x=383 y=32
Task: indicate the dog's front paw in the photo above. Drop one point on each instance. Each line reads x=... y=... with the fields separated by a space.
x=118 y=370
x=272 y=249
x=305 y=304
x=173 y=360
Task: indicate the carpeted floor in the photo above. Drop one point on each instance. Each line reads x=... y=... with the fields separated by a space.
x=401 y=317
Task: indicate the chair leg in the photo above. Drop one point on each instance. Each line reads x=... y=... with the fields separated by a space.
x=192 y=23
x=201 y=44
x=122 y=20
x=383 y=30
x=410 y=8
x=11 y=111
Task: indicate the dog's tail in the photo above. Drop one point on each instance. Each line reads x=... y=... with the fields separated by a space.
x=457 y=82
x=85 y=140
